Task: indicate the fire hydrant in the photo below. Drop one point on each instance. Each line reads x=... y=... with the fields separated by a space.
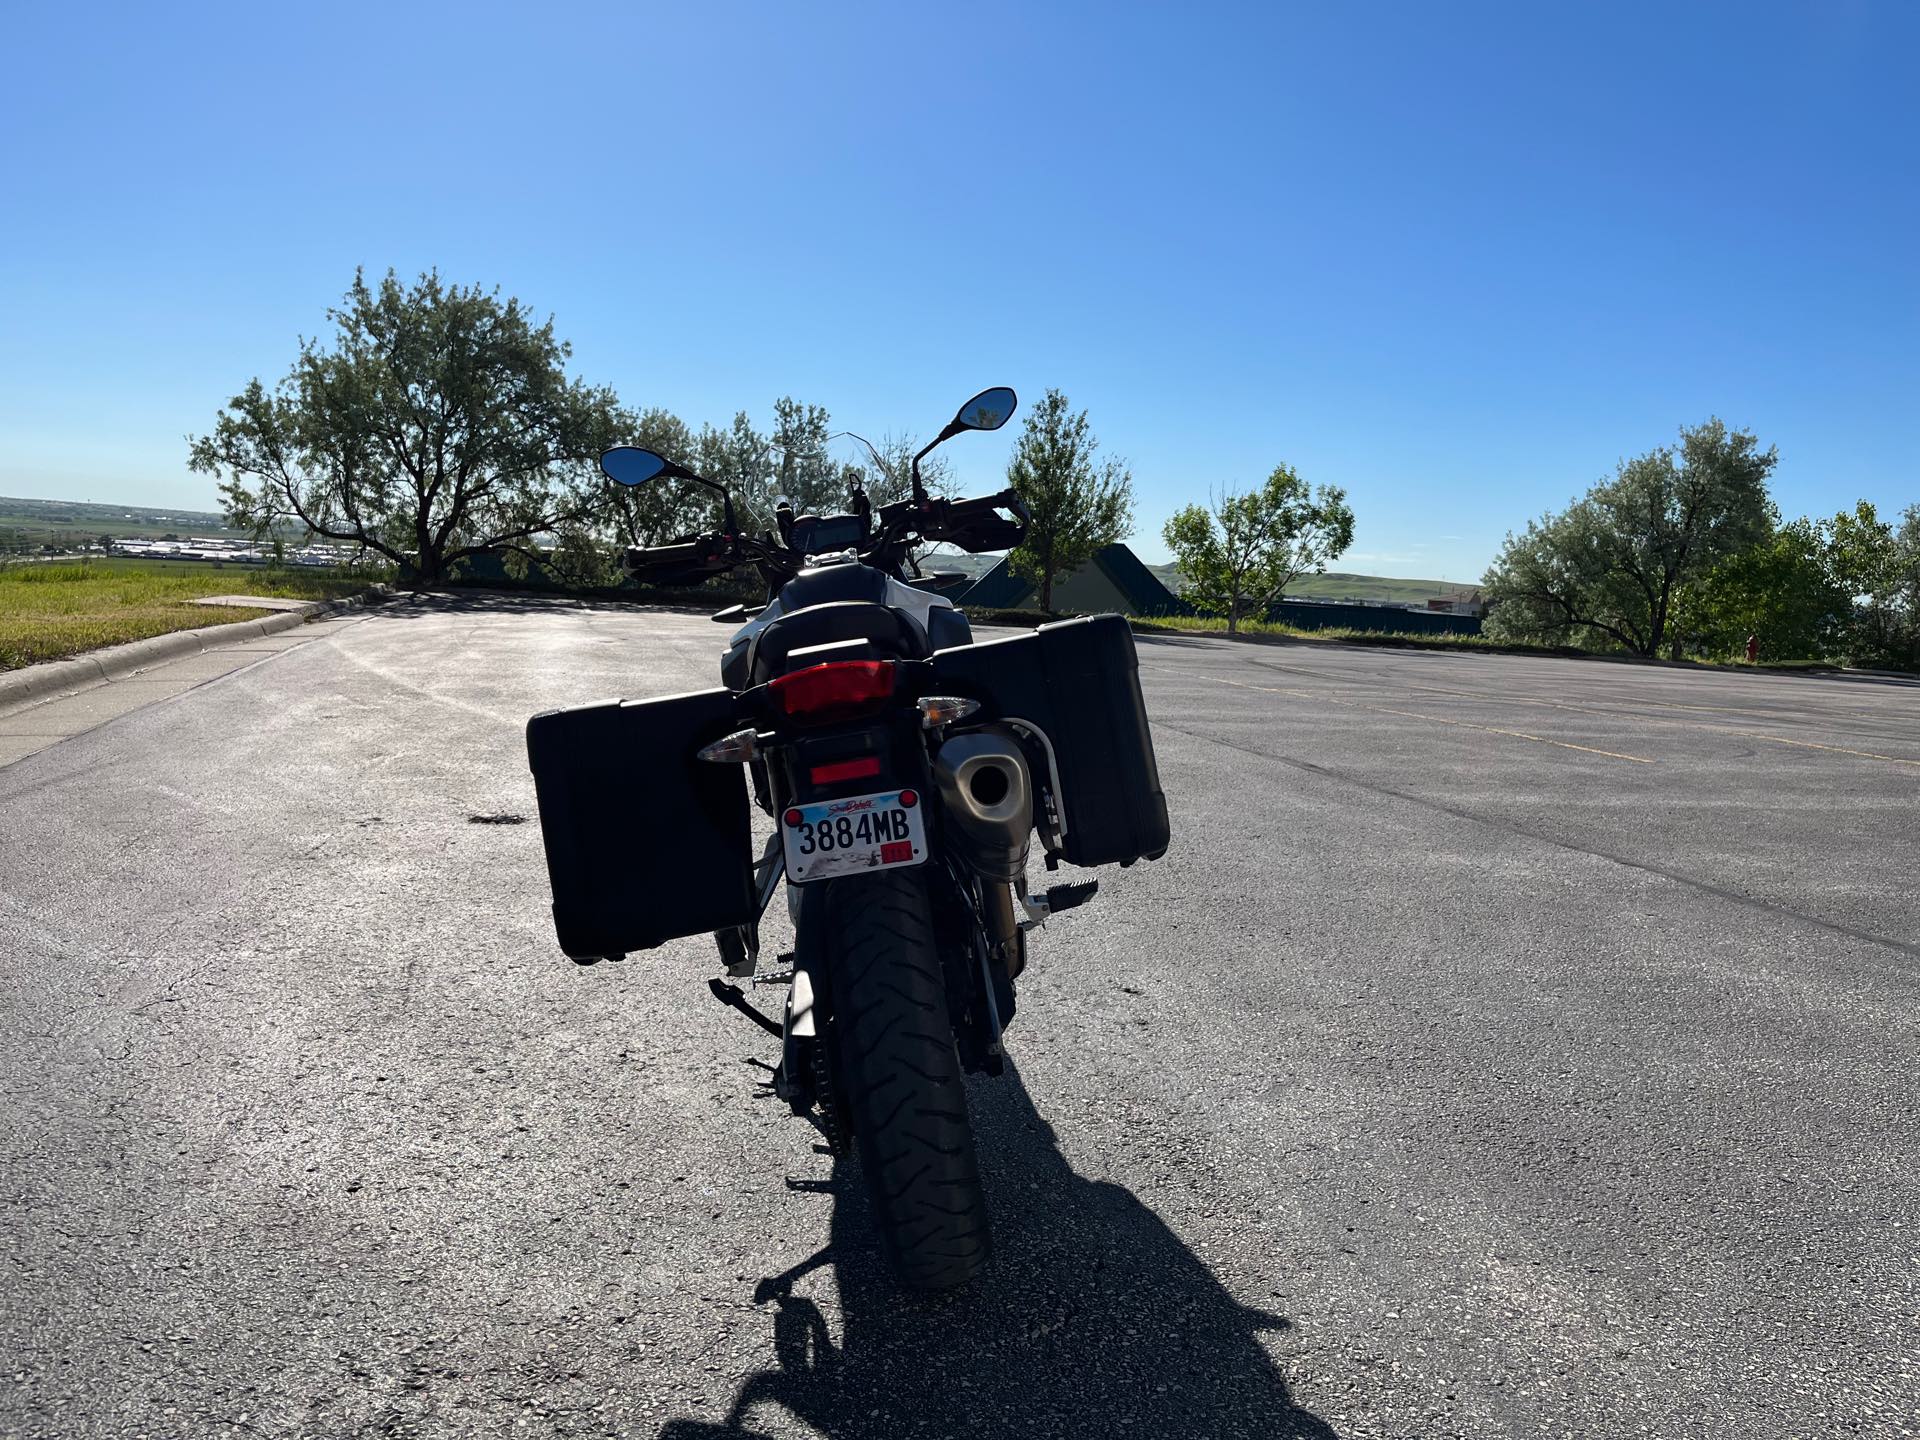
x=1753 y=648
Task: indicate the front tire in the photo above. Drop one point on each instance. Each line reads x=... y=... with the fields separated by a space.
x=901 y=1081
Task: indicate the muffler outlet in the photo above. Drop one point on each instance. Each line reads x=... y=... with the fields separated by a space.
x=988 y=797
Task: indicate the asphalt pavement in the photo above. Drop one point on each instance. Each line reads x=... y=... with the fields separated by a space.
x=1506 y=1048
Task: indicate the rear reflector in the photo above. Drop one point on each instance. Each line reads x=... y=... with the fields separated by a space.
x=834 y=690
x=861 y=769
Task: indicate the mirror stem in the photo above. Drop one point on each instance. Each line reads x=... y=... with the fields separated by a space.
x=729 y=519
x=919 y=487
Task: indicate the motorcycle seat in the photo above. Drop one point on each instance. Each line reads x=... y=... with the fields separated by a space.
x=888 y=633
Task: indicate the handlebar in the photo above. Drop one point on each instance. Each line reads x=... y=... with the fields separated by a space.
x=973 y=524
x=1008 y=499
x=655 y=555
x=684 y=562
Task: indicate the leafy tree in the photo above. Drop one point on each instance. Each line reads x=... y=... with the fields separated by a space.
x=800 y=464
x=1078 y=503
x=1878 y=567
x=1907 y=587
x=654 y=514
x=440 y=423
x=887 y=471
x=1906 y=650
x=1241 y=555
x=791 y=460
x=1782 y=591
x=1610 y=567
x=796 y=459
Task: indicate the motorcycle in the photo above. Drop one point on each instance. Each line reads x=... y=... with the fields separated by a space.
x=906 y=770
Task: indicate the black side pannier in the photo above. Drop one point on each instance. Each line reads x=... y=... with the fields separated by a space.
x=645 y=843
x=1075 y=686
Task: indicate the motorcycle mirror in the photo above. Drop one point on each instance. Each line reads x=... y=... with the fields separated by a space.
x=630 y=465
x=988 y=410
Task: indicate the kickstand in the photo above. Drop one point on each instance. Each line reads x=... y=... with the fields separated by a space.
x=730 y=996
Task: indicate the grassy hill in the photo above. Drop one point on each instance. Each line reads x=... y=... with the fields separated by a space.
x=48 y=611
x=959 y=562
x=1334 y=585
x=1343 y=585
x=70 y=522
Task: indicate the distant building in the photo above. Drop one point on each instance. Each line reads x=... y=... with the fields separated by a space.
x=1114 y=581
x=1473 y=604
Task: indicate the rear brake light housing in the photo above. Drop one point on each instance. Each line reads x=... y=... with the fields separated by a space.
x=833 y=691
x=839 y=772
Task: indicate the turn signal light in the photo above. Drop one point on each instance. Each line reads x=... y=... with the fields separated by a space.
x=938 y=710
x=833 y=691
x=735 y=749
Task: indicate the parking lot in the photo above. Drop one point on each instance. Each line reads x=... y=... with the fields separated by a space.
x=1505 y=1047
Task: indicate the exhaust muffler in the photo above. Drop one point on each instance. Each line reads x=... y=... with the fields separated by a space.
x=988 y=797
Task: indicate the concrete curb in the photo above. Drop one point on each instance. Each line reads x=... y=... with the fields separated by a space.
x=117 y=662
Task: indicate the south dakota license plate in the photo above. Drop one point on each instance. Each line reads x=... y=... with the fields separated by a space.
x=851 y=835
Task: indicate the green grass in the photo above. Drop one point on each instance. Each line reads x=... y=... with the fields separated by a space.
x=29 y=523
x=1343 y=585
x=1272 y=630
x=50 y=611
x=1261 y=630
x=1265 y=629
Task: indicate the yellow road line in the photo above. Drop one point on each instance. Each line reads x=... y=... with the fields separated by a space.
x=1434 y=719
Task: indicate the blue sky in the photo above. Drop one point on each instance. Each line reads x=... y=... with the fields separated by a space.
x=1456 y=258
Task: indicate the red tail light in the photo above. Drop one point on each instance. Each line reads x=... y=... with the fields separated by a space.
x=840 y=771
x=835 y=690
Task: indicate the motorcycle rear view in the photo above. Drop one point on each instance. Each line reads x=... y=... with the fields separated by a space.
x=904 y=772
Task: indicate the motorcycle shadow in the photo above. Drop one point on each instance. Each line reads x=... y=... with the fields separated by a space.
x=1092 y=1318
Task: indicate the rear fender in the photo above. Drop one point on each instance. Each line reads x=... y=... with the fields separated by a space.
x=858 y=760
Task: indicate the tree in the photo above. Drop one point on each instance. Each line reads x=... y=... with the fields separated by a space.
x=1264 y=541
x=440 y=424
x=1610 y=566
x=800 y=466
x=887 y=473
x=1907 y=588
x=1078 y=504
x=1878 y=568
x=1783 y=591
x=654 y=514
x=797 y=460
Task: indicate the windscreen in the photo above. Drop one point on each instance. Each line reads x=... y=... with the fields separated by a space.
x=824 y=534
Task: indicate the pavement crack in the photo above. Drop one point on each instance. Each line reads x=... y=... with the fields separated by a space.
x=1645 y=867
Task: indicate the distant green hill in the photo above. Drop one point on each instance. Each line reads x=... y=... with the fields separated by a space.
x=959 y=561
x=70 y=521
x=1334 y=585
x=1341 y=585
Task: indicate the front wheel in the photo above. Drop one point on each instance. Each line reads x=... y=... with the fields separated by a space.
x=900 y=1078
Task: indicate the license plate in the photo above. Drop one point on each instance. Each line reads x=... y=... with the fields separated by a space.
x=851 y=835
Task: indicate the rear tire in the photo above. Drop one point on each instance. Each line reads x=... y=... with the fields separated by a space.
x=901 y=1080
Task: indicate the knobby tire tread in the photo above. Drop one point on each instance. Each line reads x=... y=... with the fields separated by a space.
x=892 y=1030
